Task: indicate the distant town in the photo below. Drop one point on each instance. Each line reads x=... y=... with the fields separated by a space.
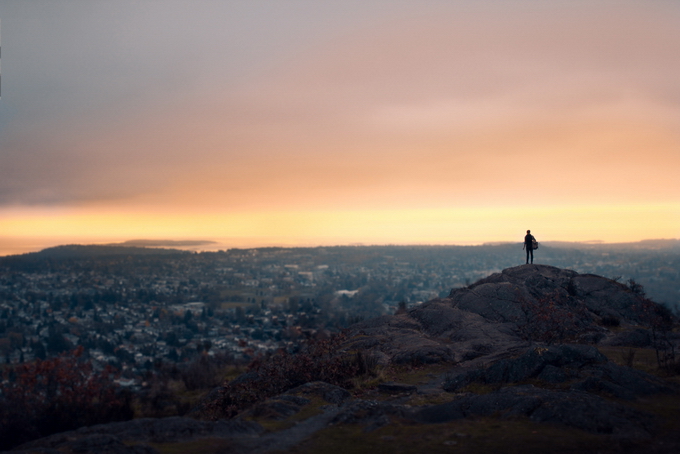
x=134 y=307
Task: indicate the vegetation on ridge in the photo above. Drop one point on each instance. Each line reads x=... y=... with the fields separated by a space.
x=55 y=395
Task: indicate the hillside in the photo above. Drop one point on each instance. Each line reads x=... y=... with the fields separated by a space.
x=532 y=359
x=84 y=251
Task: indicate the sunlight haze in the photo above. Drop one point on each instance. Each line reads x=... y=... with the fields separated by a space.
x=303 y=123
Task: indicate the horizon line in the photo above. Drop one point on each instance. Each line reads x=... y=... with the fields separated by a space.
x=195 y=244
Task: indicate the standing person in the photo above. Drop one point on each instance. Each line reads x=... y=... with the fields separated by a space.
x=529 y=245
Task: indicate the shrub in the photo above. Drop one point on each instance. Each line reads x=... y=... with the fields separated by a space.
x=54 y=395
x=659 y=319
x=553 y=318
x=319 y=360
x=204 y=372
x=611 y=321
x=636 y=288
x=628 y=357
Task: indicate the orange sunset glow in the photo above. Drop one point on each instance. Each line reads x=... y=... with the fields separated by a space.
x=303 y=123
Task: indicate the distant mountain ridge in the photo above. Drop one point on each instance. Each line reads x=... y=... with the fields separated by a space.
x=162 y=243
x=644 y=244
x=77 y=251
x=143 y=247
x=654 y=244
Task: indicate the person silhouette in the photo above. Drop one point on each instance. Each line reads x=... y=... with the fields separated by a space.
x=529 y=245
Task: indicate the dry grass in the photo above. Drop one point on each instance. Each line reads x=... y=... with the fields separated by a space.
x=416 y=375
x=643 y=359
x=313 y=408
x=483 y=435
x=199 y=446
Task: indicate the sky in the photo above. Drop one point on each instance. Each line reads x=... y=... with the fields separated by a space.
x=308 y=122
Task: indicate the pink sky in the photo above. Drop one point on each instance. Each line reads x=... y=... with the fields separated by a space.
x=302 y=122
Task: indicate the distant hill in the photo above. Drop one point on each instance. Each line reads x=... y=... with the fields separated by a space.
x=97 y=251
x=163 y=243
x=37 y=261
x=644 y=244
x=77 y=251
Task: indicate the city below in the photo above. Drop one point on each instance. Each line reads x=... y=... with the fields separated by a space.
x=138 y=308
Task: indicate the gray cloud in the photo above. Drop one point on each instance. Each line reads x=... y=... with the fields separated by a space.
x=113 y=100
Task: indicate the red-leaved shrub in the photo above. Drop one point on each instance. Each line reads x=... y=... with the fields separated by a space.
x=55 y=395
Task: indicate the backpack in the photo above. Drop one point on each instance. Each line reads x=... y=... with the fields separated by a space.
x=534 y=243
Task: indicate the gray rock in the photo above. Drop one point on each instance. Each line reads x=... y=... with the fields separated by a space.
x=424 y=352
x=599 y=386
x=330 y=393
x=552 y=374
x=495 y=302
x=500 y=312
x=560 y=363
x=34 y=451
x=370 y=414
x=533 y=364
x=600 y=295
x=171 y=429
x=292 y=401
x=111 y=438
x=391 y=387
x=107 y=444
x=576 y=409
x=607 y=297
x=97 y=443
x=639 y=338
x=636 y=382
x=439 y=318
x=280 y=407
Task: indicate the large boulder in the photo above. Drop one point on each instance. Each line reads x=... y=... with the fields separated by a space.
x=599 y=295
x=401 y=339
x=528 y=303
x=583 y=365
x=114 y=438
x=294 y=400
x=572 y=408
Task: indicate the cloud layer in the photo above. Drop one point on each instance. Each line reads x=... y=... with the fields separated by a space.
x=230 y=107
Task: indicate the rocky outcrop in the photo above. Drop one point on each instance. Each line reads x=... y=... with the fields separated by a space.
x=601 y=296
x=520 y=345
x=503 y=312
x=583 y=366
x=115 y=438
x=574 y=409
x=294 y=400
